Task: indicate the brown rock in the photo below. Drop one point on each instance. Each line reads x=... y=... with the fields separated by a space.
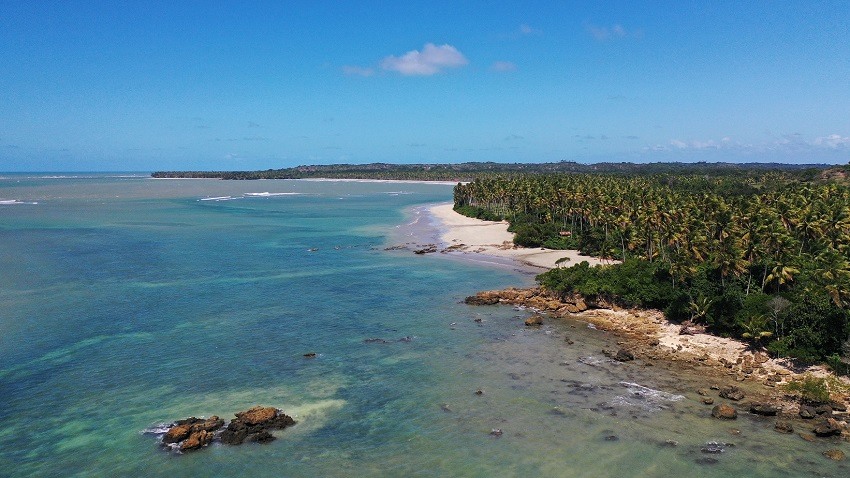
x=197 y=440
x=534 y=320
x=732 y=393
x=481 y=299
x=783 y=426
x=807 y=436
x=764 y=409
x=807 y=412
x=708 y=401
x=624 y=355
x=724 y=412
x=834 y=454
x=827 y=428
x=177 y=433
x=257 y=415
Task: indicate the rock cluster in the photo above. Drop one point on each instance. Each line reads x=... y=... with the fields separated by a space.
x=253 y=424
x=192 y=433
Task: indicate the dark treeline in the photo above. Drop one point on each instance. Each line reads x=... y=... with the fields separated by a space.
x=468 y=171
x=764 y=256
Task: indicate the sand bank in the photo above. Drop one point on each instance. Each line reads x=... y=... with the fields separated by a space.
x=474 y=236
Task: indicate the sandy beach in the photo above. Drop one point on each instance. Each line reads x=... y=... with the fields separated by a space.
x=474 y=236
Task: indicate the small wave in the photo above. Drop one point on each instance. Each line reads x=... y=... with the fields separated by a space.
x=158 y=430
x=644 y=397
x=594 y=361
x=9 y=202
x=268 y=194
x=220 y=198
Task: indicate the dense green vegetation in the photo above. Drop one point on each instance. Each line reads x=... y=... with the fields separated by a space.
x=469 y=171
x=759 y=255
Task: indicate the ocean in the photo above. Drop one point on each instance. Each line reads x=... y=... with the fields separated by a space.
x=128 y=302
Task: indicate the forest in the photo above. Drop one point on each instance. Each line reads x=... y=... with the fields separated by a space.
x=462 y=172
x=760 y=255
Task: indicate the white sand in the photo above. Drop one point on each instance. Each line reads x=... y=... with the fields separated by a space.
x=492 y=238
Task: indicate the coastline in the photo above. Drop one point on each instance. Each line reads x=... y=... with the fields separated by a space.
x=466 y=235
x=646 y=333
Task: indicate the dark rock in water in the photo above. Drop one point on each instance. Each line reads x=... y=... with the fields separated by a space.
x=764 y=409
x=707 y=460
x=808 y=437
x=823 y=410
x=783 y=426
x=260 y=437
x=310 y=355
x=534 y=320
x=254 y=425
x=708 y=400
x=479 y=392
x=724 y=412
x=429 y=249
x=445 y=407
x=496 y=432
x=827 y=428
x=621 y=355
x=406 y=339
x=375 y=341
x=732 y=393
x=834 y=454
x=714 y=448
x=807 y=411
x=612 y=438
x=251 y=425
x=669 y=444
x=482 y=299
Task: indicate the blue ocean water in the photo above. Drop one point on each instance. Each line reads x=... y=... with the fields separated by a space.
x=128 y=302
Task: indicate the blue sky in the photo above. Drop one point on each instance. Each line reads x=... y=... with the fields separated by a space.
x=250 y=85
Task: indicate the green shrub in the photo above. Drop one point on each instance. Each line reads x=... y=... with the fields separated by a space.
x=811 y=389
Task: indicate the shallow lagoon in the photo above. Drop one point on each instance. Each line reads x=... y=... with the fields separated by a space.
x=126 y=302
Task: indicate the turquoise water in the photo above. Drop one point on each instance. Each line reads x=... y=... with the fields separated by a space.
x=127 y=302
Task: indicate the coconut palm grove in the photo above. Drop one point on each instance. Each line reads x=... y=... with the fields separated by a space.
x=760 y=256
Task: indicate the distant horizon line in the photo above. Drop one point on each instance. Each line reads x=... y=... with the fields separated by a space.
x=116 y=171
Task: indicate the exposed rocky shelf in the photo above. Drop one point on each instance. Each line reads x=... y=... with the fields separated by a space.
x=252 y=425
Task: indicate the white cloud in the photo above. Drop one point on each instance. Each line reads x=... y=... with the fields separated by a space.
x=353 y=70
x=431 y=60
x=503 y=66
x=526 y=29
x=789 y=143
x=607 y=33
x=833 y=141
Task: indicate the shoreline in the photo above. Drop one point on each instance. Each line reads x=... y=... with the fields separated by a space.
x=647 y=333
x=466 y=235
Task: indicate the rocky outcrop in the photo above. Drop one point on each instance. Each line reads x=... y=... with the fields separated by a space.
x=828 y=428
x=534 y=297
x=731 y=393
x=254 y=425
x=534 y=320
x=724 y=412
x=834 y=454
x=764 y=409
x=182 y=430
x=251 y=425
